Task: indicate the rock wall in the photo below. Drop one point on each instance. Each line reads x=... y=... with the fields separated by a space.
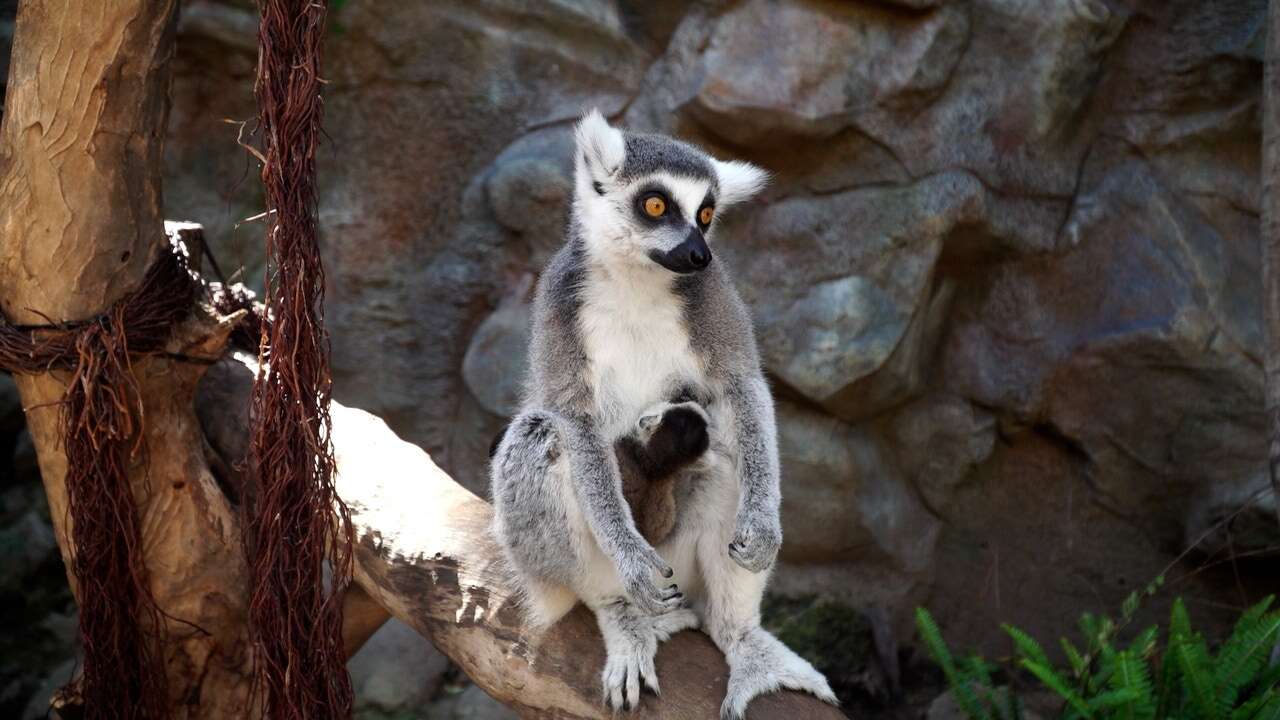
x=1005 y=279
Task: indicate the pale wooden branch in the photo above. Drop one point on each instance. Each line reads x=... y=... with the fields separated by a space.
x=425 y=554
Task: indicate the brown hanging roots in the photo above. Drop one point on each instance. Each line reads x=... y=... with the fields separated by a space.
x=295 y=616
x=101 y=418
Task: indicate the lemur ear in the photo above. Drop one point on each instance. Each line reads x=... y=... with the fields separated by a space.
x=600 y=147
x=738 y=181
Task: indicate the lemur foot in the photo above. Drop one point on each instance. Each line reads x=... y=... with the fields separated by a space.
x=759 y=663
x=631 y=640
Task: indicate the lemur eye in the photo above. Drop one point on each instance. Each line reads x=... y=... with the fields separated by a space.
x=654 y=206
x=705 y=215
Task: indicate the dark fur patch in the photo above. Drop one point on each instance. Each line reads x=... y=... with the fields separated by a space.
x=680 y=439
x=647 y=154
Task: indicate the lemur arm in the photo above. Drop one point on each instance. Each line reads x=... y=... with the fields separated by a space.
x=758 y=532
x=597 y=486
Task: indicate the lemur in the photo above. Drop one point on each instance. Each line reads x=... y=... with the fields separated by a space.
x=633 y=320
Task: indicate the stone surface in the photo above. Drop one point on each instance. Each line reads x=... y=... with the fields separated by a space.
x=25 y=544
x=945 y=707
x=397 y=671
x=939 y=441
x=748 y=86
x=1004 y=281
x=837 y=281
x=497 y=357
x=845 y=499
x=471 y=703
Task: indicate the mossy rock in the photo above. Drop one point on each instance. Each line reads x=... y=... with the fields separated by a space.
x=833 y=636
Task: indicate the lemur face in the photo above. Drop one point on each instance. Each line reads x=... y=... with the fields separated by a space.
x=649 y=199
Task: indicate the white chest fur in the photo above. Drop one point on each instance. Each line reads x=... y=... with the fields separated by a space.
x=634 y=334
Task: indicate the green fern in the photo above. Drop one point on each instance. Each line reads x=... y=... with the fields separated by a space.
x=1052 y=680
x=1197 y=677
x=1246 y=652
x=1132 y=674
x=941 y=654
x=1137 y=681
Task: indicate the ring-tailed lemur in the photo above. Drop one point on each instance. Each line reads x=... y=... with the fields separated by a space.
x=630 y=316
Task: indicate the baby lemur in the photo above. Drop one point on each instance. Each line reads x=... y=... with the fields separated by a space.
x=634 y=320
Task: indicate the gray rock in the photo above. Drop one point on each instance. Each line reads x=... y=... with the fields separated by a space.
x=470 y=704
x=843 y=499
x=397 y=670
x=529 y=190
x=1138 y=345
x=38 y=706
x=26 y=464
x=912 y=4
x=497 y=357
x=837 y=281
x=945 y=707
x=24 y=546
x=939 y=440
x=1233 y=518
x=746 y=86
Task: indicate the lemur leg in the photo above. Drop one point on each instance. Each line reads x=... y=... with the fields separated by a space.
x=758 y=662
x=556 y=560
x=535 y=518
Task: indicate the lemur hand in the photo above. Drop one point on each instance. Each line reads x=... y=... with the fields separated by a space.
x=757 y=539
x=637 y=579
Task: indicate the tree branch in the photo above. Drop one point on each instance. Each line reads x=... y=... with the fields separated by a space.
x=425 y=554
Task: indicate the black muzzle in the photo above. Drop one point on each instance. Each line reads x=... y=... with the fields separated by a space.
x=689 y=256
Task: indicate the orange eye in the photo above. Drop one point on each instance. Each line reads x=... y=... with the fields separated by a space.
x=705 y=215
x=655 y=206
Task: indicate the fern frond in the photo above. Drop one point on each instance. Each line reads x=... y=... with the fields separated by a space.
x=1255 y=706
x=1268 y=680
x=1245 y=653
x=1144 y=645
x=1270 y=710
x=1111 y=699
x=1131 y=674
x=1168 y=687
x=1179 y=623
x=1027 y=645
x=1074 y=658
x=1050 y=679
x=1196 y=666
x=1129 y=607
x=941 y=654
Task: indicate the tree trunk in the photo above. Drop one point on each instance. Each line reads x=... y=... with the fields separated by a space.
x=81 y=147
x=424 y=553
x=1271 y=241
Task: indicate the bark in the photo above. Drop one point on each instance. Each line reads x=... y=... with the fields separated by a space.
x=81 y=146
x=425 y=554
x=1271 y=242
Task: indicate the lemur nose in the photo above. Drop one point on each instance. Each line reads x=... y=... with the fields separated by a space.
x=699 y=257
